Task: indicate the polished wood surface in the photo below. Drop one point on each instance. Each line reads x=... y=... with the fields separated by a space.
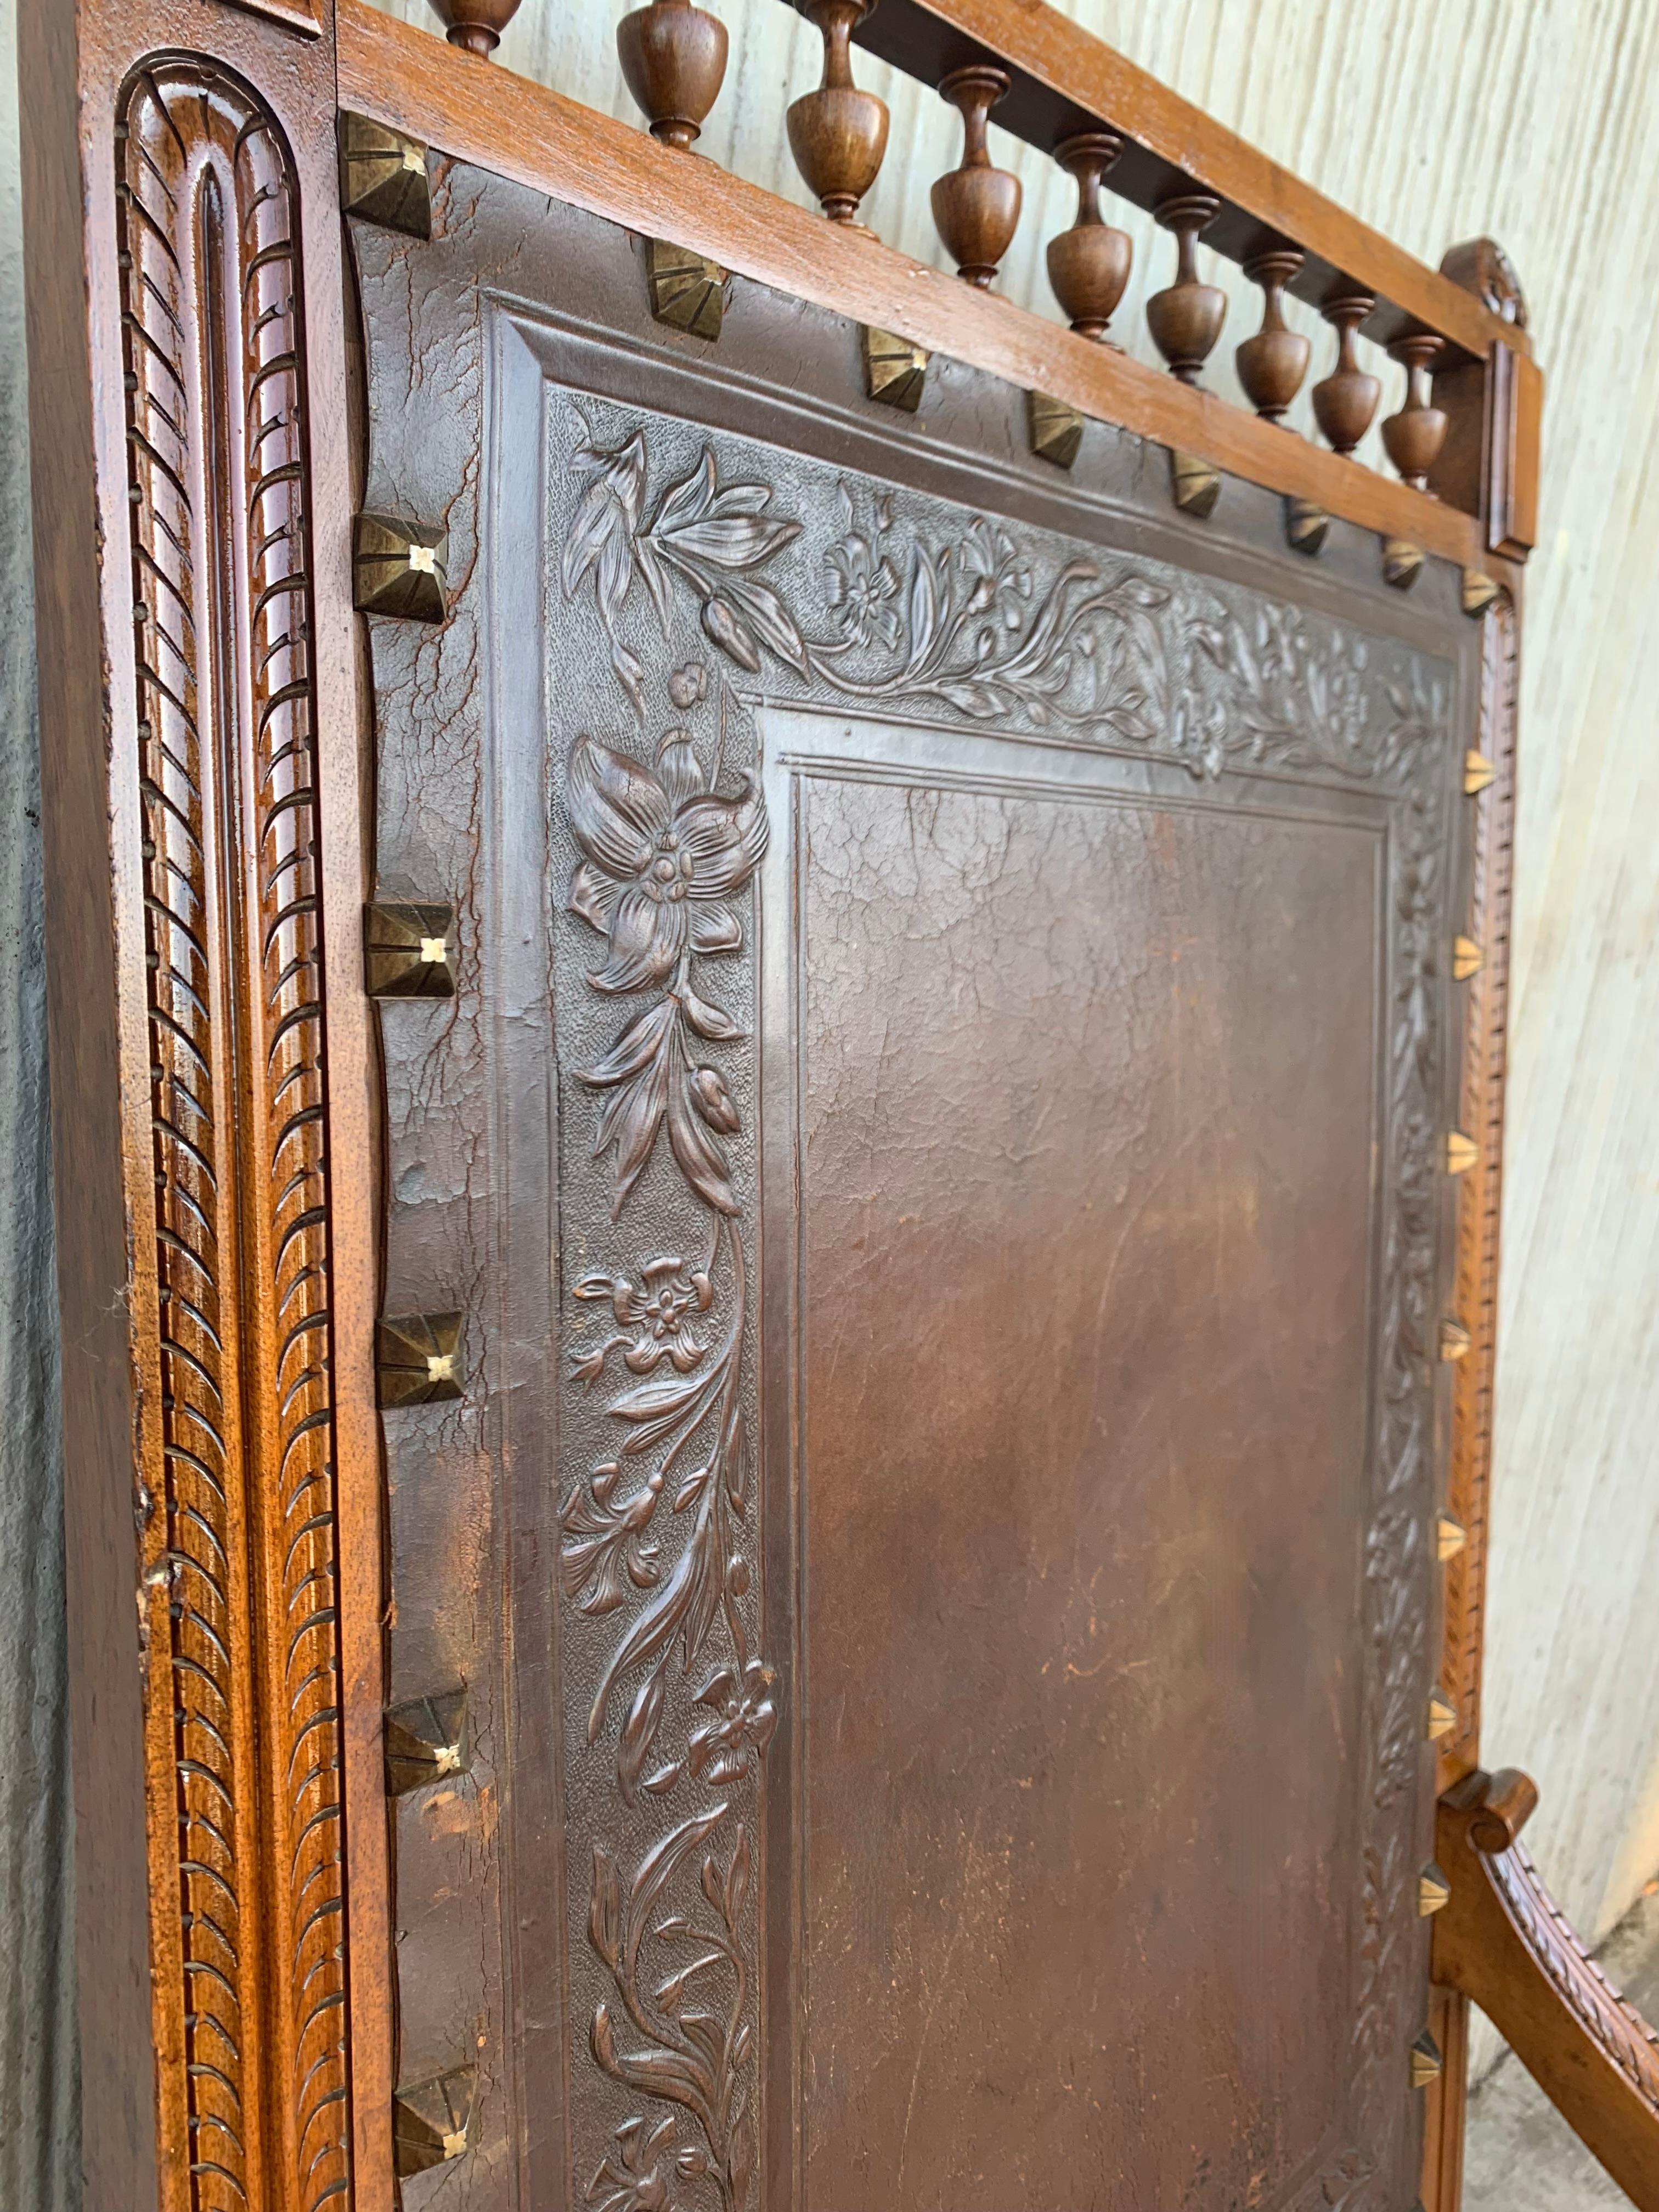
x=210 y=776
x=1502 y=1944
x=525 y=130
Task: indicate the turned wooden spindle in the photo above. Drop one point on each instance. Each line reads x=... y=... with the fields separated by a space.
x=1345 y=401
x=1185 y=319
x=1089 y=265
x=476 y=26
x=674 y=56
x=1415 y=435
x=1272 y=363
x=975 y=207
x=838 y=134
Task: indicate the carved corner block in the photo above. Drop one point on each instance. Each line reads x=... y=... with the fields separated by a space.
x=1055 y=429
x=418 y=1359
x=383 y=177
x=409 y=950
x=688 y=290
x=431 y=2121
x=1306 y=526
x=895 y=371
x=1194 y=486
x=1403 y=562
x=400 y=567
x=425 y=1739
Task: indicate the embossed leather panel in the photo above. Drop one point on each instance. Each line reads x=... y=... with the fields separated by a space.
x=937 y=1143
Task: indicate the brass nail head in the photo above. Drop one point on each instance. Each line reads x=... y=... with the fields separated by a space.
x=409 y=949
x=688 y=290
x=1479 y=592
x=1425 y=2061
x=1478 y=773
x=1461 y=1153
x=1055 y=429
x=1194 y=484
x=1467 y=959
x=1306 y=526
x=1442 y=1717
x=399 y=568
x=431 y=2120
x=424 y=1741
x=383 y=177
x=1455 y=1339
x=1403 y=562
x=1433 y=1891
x=1450 y=1538
x=895 y=370
x=418 y=1359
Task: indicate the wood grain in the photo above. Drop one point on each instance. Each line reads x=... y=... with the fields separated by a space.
x=203 y=821
x=536 y=136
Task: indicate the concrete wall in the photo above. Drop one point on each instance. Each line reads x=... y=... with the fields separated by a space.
x=39 y=2165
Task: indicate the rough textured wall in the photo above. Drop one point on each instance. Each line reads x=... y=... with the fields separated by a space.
x=39 y=2161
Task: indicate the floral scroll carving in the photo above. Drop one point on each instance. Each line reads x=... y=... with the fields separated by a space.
x=888 y=613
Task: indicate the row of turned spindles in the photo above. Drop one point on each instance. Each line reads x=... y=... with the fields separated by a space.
x=673 y=56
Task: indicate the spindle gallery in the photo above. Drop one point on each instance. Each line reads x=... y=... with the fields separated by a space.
x=640 y=1234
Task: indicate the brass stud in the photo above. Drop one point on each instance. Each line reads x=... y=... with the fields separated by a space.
x=418 y=1356
x=688 y=291
x=400 y=567
x=1306 y=526
x=895 y=371
x=1449 y=1537
x=1433 y=1891
x=424 y=1741
x=1194 y=484
x=409 y=950
x=1455 y=1339
x=1467 y=959
x=431 y=2121
x=1478 y=773
x=1461 y=1153
x=1442 y=1717
x=1056 y=430
x=383 y=177
x=1425 y=2061
x=1479 y=592
x=1403 y=562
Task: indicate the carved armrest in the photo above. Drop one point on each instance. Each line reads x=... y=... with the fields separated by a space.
x=1503 y=1943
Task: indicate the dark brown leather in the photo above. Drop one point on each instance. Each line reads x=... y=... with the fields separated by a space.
x=950 y=970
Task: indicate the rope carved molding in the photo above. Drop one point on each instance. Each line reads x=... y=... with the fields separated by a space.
x=238 y=1513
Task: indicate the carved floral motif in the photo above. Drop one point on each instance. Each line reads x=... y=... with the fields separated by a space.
x=1095 y=652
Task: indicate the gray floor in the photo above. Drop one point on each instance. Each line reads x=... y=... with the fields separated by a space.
x=1522 y=2156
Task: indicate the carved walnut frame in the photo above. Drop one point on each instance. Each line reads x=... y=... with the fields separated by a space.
x=216 y=1099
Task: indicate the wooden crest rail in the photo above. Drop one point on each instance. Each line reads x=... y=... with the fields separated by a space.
x=202 y=543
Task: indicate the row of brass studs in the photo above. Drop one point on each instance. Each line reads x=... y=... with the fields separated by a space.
x=1433 y=1889
x=400 y=570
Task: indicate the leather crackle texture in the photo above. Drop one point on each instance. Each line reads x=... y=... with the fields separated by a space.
x=936 y=1140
